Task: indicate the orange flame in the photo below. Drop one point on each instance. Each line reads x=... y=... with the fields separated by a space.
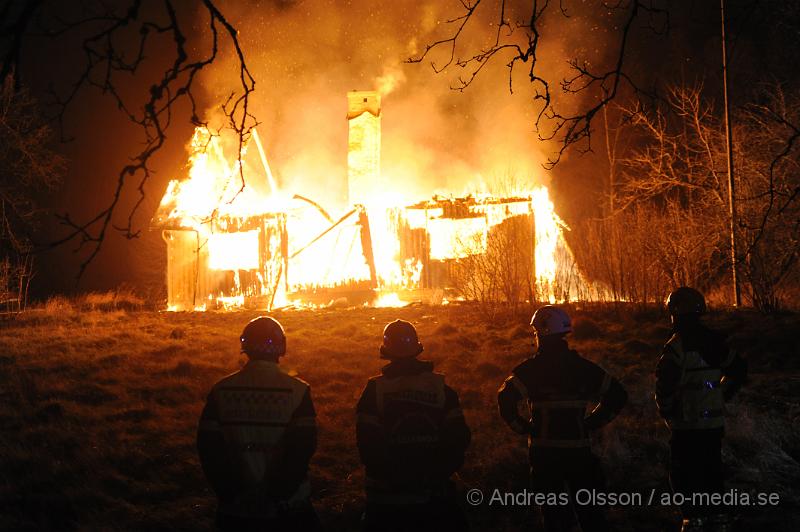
x=239 y=230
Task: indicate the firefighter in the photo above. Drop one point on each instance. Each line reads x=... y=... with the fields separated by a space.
x=695 y=375
x=257 y=434
x=411 y=437
x=558 y=385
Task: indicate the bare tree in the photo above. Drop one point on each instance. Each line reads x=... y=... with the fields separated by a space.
x=677 y=172
x=117 y=41
x=676 y=176
x=769 y=162
x=27 y=167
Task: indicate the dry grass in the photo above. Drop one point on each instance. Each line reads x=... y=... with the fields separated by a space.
x=120 y=299
x=98 y=411
x=58 y=306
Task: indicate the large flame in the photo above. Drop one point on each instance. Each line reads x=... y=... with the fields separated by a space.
x=255 y=241
x=548 y=235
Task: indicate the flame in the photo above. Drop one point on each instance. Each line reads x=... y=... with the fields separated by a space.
x=391 y=299
x=548 y=227
x=258 y=244
x=233 y=251
x=214 y=187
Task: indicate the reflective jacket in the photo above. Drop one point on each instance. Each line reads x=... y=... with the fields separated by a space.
x=411 y=433
x=257 y=434
x=695 y=375
x=559 y=385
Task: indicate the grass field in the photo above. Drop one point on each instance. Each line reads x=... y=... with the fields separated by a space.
x=98 y=411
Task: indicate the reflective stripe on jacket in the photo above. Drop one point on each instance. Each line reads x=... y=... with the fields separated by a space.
x=689 y=390
x=559 y=386
x=256 y=436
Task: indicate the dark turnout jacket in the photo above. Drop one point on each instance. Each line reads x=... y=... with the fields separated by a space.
x=695 y=375
x=411 y=433
x=257 y=434
x=559 y=385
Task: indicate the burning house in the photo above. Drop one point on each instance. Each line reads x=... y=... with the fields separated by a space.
x=236 y=239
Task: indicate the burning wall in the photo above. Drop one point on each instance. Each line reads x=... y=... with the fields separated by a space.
x=261 y=246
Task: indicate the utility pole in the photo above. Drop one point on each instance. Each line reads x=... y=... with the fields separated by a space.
x=737 y=293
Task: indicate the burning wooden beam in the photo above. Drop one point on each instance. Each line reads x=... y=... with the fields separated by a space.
x=366 y=245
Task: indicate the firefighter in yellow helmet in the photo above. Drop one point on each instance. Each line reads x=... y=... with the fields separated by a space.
x=257 y=434
x=559 y=385
x=695 y=375
x=411 y=437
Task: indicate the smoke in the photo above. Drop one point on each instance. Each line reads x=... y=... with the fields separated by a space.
x=392 y=77
x=305 y=56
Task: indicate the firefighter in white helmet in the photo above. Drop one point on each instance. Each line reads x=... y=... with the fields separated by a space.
x=695 y=375
x=559 y=385
x=257 y=434
x=411 y=437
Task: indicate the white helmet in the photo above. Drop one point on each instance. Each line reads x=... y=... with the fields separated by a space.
x=551 y=320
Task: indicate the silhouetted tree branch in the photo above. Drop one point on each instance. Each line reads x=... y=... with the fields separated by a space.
x=115 y=42
x=676 y=173
x=520 y=42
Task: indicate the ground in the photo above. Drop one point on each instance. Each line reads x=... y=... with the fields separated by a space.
x=99 y=410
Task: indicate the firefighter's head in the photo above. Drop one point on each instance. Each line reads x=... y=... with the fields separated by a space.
x=550 y=325
x=400 y=341
x=263 y=338
x=685 y=305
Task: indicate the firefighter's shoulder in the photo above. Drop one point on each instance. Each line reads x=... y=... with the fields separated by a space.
x=292 y=376
x=295 y=382
x=719 y=340
x=226 y=381
x=673 y=349
x=590 y=373
x=374 y=378
x=526 y=369
x=582 y=362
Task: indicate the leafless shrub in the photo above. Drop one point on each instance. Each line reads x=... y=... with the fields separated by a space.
x=123 y=298
x=58 y=305
x=621 y=258
x=497 y=268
